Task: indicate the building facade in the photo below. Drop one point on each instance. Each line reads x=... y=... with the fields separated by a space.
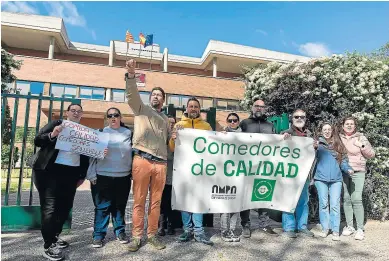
x=54 y=65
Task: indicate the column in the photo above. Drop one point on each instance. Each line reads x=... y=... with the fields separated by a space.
x=51 y=47
x=214 y=65
x=111 y=53
x=165 y=59
x=108 y=94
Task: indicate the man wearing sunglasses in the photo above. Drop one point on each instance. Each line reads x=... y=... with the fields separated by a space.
x=151 y=130
x=257 y=123
x=298 y=220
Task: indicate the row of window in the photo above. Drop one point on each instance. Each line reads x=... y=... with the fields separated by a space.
x=117 y=95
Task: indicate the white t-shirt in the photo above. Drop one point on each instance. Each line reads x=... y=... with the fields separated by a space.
x=68 y=158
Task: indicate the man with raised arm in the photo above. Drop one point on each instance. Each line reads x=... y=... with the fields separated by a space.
x=149 y=165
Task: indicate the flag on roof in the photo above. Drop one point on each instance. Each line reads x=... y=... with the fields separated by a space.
x=146 y=40
x=129 y=37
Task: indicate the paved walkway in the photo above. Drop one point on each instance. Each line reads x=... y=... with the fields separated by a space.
x=28 y=245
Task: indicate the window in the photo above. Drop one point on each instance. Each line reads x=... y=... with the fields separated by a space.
x=207 y=103
x=92 y=93
x=233 y=105
x=227 y=105
x=174 y=99
x=145 y=97
x=177 y=100
x=24 y=87
x=118 y=95
x=62 y=89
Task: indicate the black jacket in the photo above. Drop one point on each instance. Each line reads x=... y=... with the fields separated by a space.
x=253 y=125
x=47 y=154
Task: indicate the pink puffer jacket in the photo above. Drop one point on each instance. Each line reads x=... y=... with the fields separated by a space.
x=357 y=156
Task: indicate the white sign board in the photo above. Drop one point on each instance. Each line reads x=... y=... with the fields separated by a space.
x=82 y=140
x=224 y=173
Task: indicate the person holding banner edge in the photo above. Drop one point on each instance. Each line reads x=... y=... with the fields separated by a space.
x=151 y=132
x=298 y=220
x=168 y=216
x=57 y=174
x=111 y=180
x=257 y=123
x=191 y=119
x=228 y=221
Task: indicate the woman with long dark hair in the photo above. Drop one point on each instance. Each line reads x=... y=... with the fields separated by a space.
x=331 y=162
x=359 y=150
x=111 y=181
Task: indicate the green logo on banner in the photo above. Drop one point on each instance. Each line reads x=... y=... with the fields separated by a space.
x=263 y=190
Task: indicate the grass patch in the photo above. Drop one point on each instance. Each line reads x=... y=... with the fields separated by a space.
x=27 y=172
x=14 y=185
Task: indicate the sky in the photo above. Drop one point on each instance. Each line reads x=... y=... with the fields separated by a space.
x=185 y=28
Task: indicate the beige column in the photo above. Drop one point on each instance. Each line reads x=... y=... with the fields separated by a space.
x=214 y=66
x=111 y=53
x=51 y=47
x=165 y=59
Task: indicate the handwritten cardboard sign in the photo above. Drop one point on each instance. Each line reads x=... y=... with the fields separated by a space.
x=80 y=139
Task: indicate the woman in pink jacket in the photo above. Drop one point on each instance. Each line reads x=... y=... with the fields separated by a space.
x=359 y=150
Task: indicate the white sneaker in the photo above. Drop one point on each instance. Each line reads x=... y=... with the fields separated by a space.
x=323 y=233
x=360 y=235
x=348 y=231
x=335 y=236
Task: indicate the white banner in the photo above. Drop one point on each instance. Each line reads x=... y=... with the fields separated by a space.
x=82 y=140
x=224 y=173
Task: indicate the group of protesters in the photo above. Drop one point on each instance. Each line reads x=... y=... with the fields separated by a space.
x=144 y=158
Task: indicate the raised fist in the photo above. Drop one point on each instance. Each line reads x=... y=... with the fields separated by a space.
x=130 y=66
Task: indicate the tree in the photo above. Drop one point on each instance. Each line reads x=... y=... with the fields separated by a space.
x=328 y=89
x=7 y=65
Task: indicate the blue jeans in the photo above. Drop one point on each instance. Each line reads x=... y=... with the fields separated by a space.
x=299 y=219
x=187 y=218
x=110 y=197
x=329 y=214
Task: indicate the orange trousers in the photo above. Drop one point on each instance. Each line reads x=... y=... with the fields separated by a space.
x=147 y=174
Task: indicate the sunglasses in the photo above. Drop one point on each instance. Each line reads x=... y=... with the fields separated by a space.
x=232 y=120
x=299 y=117
x=114 y=115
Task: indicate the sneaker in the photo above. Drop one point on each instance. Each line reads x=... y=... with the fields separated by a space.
x=53 y=253
x=306 y=233
x=171 y=231
x=97 y=243
x=61 y=243
x=122 y=238
x=324 y=233
x=235 y=238
x=134 y=244
x=246 y=232
x=348 y=231
x=185 y=237
x=335 y=236
x=226 y=236
x=360 y=235
x=161 y=232
x=202 y=238
x=155 y=242
x=289 y=234
x=268 y=230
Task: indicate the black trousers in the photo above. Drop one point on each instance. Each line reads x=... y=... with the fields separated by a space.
x=57 y=188
x=169 y=218
x=110 y=195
